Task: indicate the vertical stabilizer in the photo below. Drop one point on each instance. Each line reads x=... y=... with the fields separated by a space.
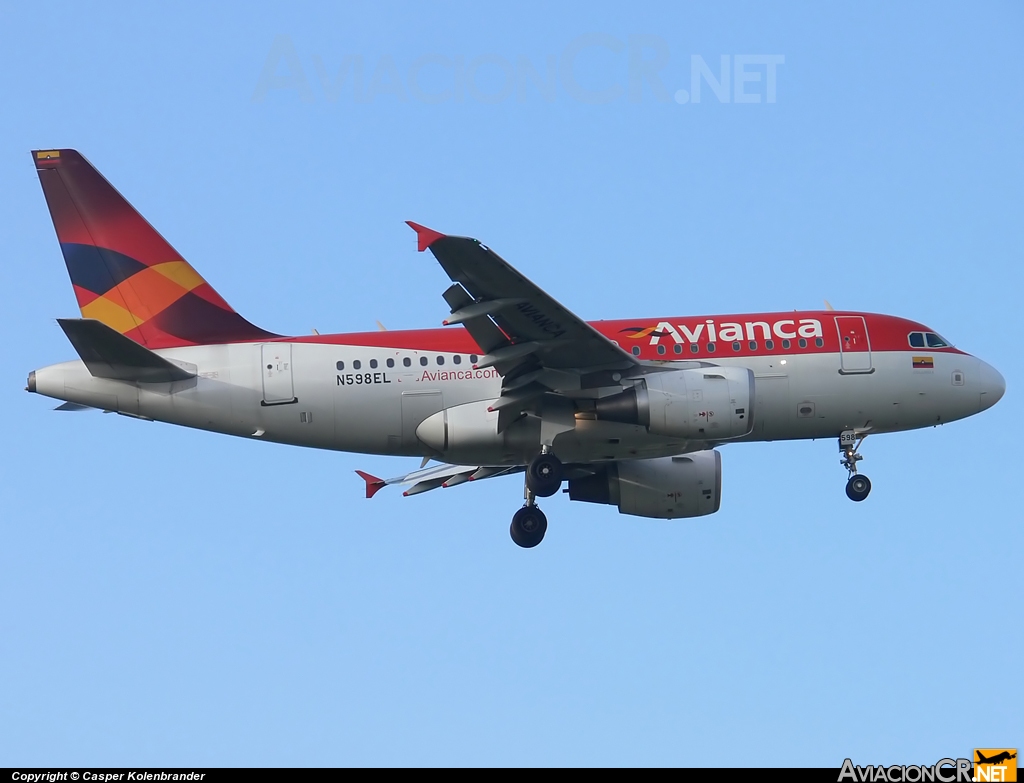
x=124 y=273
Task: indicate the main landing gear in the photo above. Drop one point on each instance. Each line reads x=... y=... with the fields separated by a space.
x=528 y=526
x=544 y=474
x=858 y=487
x=543 y=479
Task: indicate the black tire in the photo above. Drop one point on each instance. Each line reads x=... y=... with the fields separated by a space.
x=858 y=487
x=544 y=475
x=528 y=527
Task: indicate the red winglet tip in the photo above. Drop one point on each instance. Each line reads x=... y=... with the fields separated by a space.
x=425 y=236
x=373 y=484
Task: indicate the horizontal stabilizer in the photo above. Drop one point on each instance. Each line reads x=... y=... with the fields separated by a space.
x=109 y=354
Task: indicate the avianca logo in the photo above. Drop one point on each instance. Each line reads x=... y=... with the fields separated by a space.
x=709 y=331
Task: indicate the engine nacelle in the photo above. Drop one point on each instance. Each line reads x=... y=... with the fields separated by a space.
x=665 y=488
x=707 y=403
x=463 y=426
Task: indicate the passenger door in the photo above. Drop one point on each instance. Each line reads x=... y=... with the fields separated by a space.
x=277 y=374
x=854 y=344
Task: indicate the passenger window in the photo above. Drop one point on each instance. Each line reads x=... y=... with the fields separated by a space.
x=803 y=343
x=677 y=348
x=753 y=345
x=785 y=345
x=694 y=347
x=769 y=345
x=711 y=347
x=373 y=364
x=356 y=364
x=407 y=361
x=917 y=340
x=423 y=361
x=819 y=342
x=661 y=349
x=735 y=346
x=440 y=360
x=391 y=362
x=340 y=365
x=636 y=350
x=457 y=359
x=934 y=341
x=473 y=358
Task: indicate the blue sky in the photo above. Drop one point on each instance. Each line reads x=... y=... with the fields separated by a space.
x=177 y=597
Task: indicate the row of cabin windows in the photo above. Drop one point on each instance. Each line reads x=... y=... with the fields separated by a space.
x=406 y=362
x=769 y=345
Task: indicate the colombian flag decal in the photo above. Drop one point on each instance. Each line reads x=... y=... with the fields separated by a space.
x=923 y=363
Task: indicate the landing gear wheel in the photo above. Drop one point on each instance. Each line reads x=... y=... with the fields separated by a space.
x=858 y=487
x=528 y=527
x=544 y=475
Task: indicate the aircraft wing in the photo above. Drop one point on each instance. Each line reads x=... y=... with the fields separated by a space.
x=436 y=476
x=528 y=330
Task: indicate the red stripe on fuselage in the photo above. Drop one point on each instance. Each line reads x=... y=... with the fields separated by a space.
x=884 y=332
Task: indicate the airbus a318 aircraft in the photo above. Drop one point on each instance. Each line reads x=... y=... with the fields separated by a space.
x=627 y=413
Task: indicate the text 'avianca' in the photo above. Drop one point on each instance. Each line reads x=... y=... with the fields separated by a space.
x=786 y=329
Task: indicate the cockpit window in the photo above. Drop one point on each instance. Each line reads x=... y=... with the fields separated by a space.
x=927 y=340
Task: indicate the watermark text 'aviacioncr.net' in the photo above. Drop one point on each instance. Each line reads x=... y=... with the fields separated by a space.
x=594 y=69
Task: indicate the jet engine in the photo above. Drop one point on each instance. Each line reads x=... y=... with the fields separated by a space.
x=707 y=403
x=689 y=485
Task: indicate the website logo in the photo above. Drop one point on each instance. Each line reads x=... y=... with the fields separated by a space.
x=995 y=764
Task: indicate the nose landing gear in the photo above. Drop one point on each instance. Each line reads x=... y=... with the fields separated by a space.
x=857 y=486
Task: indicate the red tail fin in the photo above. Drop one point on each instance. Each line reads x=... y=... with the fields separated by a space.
x=124 y=273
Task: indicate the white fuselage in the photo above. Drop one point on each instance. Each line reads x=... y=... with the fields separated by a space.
x=295 y=393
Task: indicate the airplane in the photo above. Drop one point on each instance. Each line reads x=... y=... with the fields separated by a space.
x=629 y=413
x=999 y=758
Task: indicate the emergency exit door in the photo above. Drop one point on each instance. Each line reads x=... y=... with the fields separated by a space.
x=277 y=374
x=854 y=344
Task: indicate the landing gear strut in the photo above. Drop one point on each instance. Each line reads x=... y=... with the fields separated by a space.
x=857 y=486
x=543 y=478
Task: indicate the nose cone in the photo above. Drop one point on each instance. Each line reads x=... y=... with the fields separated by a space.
x=992 y=385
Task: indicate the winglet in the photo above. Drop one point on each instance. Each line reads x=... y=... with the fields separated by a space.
x=373 y=484
x=425 y=236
